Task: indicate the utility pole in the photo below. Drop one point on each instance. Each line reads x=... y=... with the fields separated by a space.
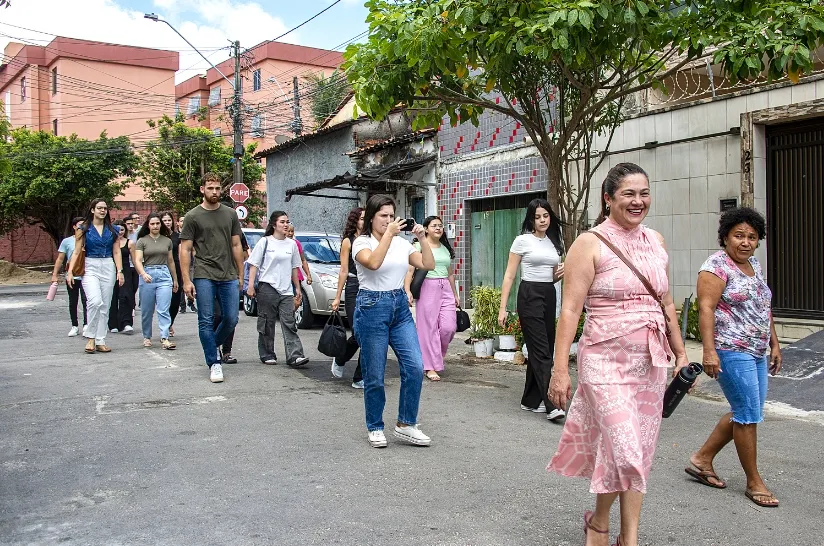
x=297 y=124
x=237 y=118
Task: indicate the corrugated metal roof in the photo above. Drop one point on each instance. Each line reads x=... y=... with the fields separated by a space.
x=394 y=141
x=309 y=136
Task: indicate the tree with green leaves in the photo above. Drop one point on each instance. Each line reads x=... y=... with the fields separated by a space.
x=53 y=179
x=171 y=167
x=327 y=94
x=564 y=67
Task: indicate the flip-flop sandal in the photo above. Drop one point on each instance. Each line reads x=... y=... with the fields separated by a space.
x=433 y=376
x=702 y=477
x=753 y=496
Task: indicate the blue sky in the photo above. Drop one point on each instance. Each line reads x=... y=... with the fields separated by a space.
x=208 y=24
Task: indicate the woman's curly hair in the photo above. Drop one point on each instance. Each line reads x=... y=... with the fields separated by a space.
x=741 y=215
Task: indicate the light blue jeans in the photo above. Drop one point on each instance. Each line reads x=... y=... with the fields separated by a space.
x=156 y=294
x=383 y=320
x=744 y=379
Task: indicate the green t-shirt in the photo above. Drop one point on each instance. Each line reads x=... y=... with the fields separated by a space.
x=442 y=261
x=154 y=252
x=211 y=234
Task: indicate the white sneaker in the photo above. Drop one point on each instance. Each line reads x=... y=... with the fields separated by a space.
x=357 y=384
x=337 y=371
x=540 y=409
x=127 y=330
x=377 y=438
x=73 y=332
x=527 y=408
x=413 y=435
x=216 y=374
x=300 y=361
x=556 y=414
x=113 y=330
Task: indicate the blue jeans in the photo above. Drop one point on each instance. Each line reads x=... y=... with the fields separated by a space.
x=383 y=320
x=226 y=292
x=743 y=379
x=156 y=293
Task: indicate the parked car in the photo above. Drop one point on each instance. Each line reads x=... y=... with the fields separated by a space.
x=253 y=235
x=322 y=251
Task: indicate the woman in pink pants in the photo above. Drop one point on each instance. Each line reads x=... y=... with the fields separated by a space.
x=435 y=311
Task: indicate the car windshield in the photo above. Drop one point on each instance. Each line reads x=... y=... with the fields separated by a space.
x=252 y=237
x=320 y=249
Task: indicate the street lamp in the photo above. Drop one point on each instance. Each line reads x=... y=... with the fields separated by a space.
x=156 y=18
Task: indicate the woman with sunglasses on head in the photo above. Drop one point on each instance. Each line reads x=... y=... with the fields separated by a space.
x=435 y=311
x=103 y=268
x=155 y=266
x=348 y=276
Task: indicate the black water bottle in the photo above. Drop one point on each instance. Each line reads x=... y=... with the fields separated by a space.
x=680 y=385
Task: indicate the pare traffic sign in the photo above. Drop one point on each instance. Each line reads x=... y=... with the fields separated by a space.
x=242 y=212
x=239 y=192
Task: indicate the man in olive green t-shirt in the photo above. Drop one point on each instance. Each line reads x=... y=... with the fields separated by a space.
x=213 y=231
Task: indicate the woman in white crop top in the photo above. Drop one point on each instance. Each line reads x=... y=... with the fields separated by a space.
x=538 y=251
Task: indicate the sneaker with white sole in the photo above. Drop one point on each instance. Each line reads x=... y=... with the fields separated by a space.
x=114 y=330
x=357 y=384
x=413 y=435
x=74 y=331
x=527 y=408
x=556 y=414
x=270 y=361
x=128 y=330
x=216 y=373
x=337 y=371
x=377 y=438
x=540 y=409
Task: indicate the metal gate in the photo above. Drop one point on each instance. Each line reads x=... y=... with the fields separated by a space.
x=795 y=218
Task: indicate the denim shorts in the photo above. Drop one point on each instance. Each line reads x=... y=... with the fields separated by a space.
x=743 y=379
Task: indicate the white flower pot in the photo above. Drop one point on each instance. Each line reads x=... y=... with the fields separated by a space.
x=506 y=343
x=490 y=346
x=482 y=349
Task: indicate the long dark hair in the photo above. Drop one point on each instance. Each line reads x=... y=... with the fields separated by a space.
x=373 y=205
x=89 y=218
x=144 y=229
x=443 y=239
x=166 y=213
x=350 y=227
x=613 y=181
x=270 y=229
x=554 y=229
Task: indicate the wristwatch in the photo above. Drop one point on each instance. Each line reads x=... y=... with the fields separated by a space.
x=120 y=271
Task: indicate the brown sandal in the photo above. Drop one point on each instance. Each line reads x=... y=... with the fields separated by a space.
x=432 y=375
x=90 y=347
x=102 y=348
x=754 y=496
x=703 y=476
x=168 y=345
x=589 y=527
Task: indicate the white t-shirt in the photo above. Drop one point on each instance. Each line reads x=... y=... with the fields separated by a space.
x=276 y=267
x=390 y=275
x=538 y=257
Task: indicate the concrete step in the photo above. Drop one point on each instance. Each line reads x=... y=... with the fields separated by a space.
x=790 y=330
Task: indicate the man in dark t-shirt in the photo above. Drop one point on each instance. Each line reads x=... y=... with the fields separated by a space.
x=213 y=231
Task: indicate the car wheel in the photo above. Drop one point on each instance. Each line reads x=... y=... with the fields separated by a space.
x=249 y=306
x=303 y=314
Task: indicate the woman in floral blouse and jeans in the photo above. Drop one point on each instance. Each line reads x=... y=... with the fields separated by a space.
x=737 y=328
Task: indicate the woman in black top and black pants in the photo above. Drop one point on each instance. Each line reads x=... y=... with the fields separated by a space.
x=348 y=275
x=168 y=220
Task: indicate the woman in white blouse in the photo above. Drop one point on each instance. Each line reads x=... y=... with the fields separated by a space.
x=538 y=251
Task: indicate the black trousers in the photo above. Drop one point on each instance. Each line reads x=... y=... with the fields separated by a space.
x=126 y=298
x=76 y=292
x=536 y=311
x=350 y=294
x=174 y=307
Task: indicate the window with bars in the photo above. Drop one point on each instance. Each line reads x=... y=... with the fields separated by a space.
x=256 y=80
x=22 y=89
x=194 y=105
x=216 y=131
x=54 y=81
x=257 y=126
x=214 y=96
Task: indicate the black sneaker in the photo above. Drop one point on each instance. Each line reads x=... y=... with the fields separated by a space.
x=228 y=359
x=300 y=361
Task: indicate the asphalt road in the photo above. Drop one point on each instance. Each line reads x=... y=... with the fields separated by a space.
x=138 y=447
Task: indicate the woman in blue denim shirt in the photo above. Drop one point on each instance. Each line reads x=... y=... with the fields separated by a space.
x=102 y=257
x=383 y=319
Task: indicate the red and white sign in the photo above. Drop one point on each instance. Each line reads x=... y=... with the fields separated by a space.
x=239 y=192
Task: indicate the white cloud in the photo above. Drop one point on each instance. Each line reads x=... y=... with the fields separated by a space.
x=208 y=24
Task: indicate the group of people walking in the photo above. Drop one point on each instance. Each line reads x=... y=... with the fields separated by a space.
x=616 y=273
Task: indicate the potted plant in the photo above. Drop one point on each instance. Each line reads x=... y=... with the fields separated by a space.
x=511 y=337
x=485 y=303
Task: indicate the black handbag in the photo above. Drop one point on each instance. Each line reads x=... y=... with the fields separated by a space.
x=417 y=282
x=332 y=340
x=462 y=320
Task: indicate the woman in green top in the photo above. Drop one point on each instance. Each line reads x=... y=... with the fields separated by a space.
x=155 y=266
x=435 y=314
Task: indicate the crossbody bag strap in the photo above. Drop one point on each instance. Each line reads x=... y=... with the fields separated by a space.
x=641 y=277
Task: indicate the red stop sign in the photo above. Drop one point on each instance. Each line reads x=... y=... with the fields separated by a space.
x=239 y=192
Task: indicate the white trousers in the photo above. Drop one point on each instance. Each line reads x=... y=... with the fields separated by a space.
x=98 y=284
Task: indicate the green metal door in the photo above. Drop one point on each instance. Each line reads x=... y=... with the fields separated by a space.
x=492 y=235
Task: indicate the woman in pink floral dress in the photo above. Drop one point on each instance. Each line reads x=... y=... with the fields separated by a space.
x=612 y=425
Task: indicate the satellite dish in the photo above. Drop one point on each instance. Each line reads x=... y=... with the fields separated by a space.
x=280 y=139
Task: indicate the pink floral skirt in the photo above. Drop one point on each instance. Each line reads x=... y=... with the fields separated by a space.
x=611 y=429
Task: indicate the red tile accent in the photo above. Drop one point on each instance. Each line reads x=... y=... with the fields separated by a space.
x=472 y=148
x=535 y=172
x=514 y=101
x=497 y=100
x=511 y=139
x=493 y=179
x=441 y=148
x=517 y=125
x=491 y=143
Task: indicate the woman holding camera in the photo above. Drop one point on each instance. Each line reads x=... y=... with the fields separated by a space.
x=383 y=319
x=538 y=252
x=737 y=329
x=628 y=342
